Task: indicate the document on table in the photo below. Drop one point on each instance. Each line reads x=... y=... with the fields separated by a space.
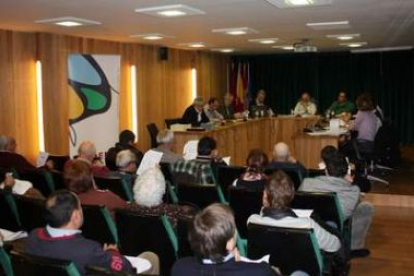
x=150 y=160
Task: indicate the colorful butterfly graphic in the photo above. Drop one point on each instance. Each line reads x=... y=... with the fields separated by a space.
x=90 y=91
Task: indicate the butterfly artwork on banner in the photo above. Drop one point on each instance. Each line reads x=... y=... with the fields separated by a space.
x=89 y=91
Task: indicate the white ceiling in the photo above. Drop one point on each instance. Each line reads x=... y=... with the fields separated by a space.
x=381 y=23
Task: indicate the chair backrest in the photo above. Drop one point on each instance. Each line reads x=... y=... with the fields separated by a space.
x=58 y=180
x=5 y=263
x=182 y=228
x=171 y=121
x=153 y=131
x=294 y=173
x=59 y=161
x=139 y=233
x=31 y=212
x=41 y=180
x=227 y=174
x=117 y=185
x=28 y=265
x=289 y=249
x=101 y=271
x=98 y=224
x=244 y=203
x=200 y=195
x=325 y=205
x=8 y=212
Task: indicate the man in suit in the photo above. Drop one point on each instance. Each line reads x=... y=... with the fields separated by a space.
x=212 y=238
x=194 y=114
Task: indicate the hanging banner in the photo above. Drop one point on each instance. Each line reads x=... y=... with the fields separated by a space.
x=93 y=100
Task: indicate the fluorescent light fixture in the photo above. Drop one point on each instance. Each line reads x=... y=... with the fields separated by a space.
x=39 y=93
x=153 y=36
x=223 y=50
x=289 y=4
x=134 y=110
x=68 y=21
x=170 y=11
x=354 y=44
x=284 y=47
x=299 y=2
x=334 y=25
x=235 y=31
x=264 y=40
x=344 y=36
x=194 y=83
x=382 y=49
x=193 y=45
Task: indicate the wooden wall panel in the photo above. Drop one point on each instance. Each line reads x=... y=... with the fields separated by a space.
x=163 y=87
x=18 y=90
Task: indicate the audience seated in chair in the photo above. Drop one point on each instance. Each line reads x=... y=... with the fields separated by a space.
x=165 y=140
x=339 y=181
x=212 y=236
x=277 y=196
x=203 y=169
x=149 y=190
x=9 y=159
x=62 y=239
x=253 y=178
x=127 y=167
x=87 y=154
x=79 y=179
x=126 y=142
x=283 y=160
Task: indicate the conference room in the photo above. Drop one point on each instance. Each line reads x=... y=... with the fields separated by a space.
x=195 y=137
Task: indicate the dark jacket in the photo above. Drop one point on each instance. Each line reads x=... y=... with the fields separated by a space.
x=227 y=112
x=110 y=157
x=190 y=116
x=190 y=266
x=9 y=160
x=76 y=248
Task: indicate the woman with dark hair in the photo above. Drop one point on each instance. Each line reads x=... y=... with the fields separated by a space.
x=78 y=178
x=254 y=178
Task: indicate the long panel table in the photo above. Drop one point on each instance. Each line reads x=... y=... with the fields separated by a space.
x=236 y=139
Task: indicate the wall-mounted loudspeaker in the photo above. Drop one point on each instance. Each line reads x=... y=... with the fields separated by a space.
x=163 y=53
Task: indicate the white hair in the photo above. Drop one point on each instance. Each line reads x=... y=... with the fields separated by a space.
x=281 y=150
x=87 y=148
x=149 y=188
x=165 y=136
x=124 y=158
x=4 y=142
x=198 y=101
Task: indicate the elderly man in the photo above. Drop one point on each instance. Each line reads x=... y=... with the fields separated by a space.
x=259 y=108
x=126 y=142
x=282 y=159
x=165 y=140
x=211 y=110
x=194 y=114
x=62 y=239
x=87 y=154
x=9 y=158
x=305 y=106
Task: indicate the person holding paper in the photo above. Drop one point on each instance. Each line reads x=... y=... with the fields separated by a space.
x=62 y=239
x=149 y=190
x=19 y=187
x=212 y=238
x=305 y=106
x=165 y=140
x=277 y=197
x=194 y=114
x=78 y=178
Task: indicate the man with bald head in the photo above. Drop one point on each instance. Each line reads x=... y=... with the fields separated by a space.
x=87 y=153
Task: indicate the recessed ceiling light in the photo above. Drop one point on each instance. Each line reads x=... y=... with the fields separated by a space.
x=154 y=36
x=170 y=11
x=235 y=31
x=299 y=2
x=284 y=47
x=68 y=21
x=354 y=44
x=288 y=4
x=223 y=50
x=197 y=45
x=329 y=25
x=343 y=36
x=264 y=40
